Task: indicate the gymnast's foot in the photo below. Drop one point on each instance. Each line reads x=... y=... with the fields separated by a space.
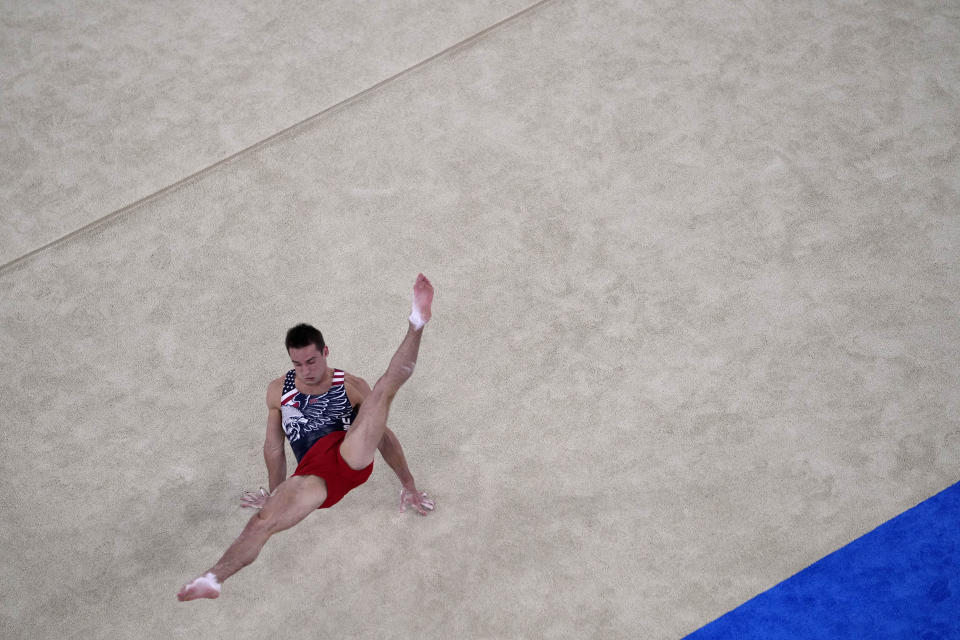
x=422 y=299
x=206 y=586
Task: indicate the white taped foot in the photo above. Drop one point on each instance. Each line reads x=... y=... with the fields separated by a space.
x=210 y=580
x=416 y=319
x=422 y=298
x=206 y=586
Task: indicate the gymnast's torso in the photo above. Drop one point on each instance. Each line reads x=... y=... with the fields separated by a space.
x=308 y=417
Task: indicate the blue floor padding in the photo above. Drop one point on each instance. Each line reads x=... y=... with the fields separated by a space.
x=901 y=580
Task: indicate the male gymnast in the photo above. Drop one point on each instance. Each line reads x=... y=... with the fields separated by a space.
x=334 y=444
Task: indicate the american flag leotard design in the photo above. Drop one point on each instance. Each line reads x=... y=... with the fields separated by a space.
x=307 y=418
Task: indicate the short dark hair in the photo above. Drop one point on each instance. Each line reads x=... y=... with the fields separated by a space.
x=303 y=335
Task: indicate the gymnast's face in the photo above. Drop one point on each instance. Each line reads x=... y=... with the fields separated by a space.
x=309 y=363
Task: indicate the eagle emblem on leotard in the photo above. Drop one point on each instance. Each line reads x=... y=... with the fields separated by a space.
x=314 y=416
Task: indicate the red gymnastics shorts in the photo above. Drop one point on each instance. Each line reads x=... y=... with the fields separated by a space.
x=323 y=459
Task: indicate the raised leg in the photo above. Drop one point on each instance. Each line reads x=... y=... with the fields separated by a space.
x=294 y=500
x=365 y=434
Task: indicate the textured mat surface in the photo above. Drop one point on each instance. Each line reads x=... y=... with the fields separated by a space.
x=105 y=103
x=695 y=329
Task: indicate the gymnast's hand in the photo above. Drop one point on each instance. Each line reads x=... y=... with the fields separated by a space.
x=416 y=499
x=254 y=499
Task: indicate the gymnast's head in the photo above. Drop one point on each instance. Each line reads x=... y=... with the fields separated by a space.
x=308 y=352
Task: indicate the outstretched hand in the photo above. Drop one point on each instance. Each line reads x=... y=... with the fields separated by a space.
x=416 y=499
x=254 y=499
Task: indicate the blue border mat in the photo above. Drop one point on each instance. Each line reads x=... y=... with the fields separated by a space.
x=901 y=580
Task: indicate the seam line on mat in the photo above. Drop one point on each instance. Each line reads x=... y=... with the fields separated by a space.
x=262 y=143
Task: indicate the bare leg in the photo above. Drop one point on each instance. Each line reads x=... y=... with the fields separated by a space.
x=294 y=500
x=364 y=436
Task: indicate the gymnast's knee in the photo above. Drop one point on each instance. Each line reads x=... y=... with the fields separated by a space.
x=264 y=522
x=386 y=388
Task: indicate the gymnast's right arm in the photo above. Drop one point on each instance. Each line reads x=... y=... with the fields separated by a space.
x=273 y=452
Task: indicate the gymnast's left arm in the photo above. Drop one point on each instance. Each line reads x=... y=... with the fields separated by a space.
x=392 y=453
